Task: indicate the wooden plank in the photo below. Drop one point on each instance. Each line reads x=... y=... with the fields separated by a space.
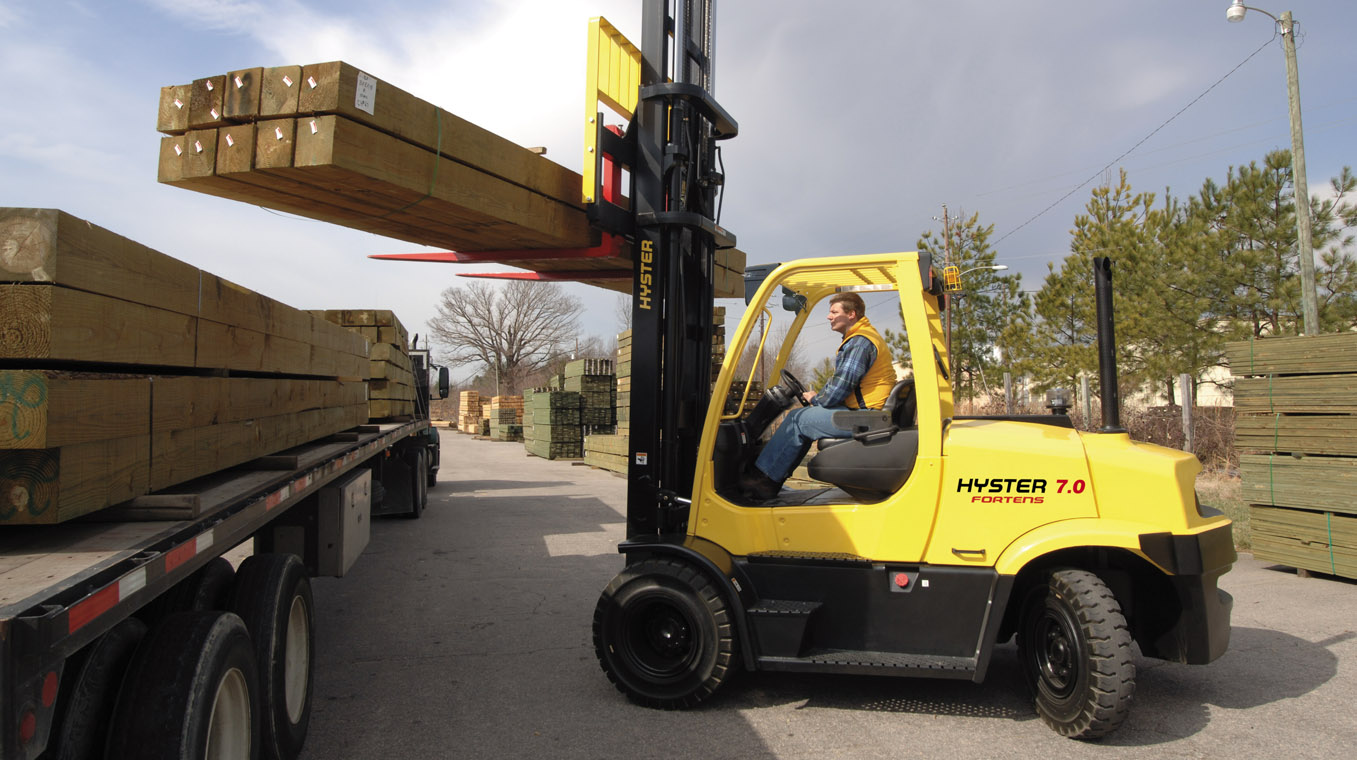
x=54 y=485
x=1322 y=483
x=243 y=89
x=332 y=88
x=279 y=91
x=1317 y=541
x=386 y=352
x=51 y=246
x=174 y=103
x=48 y=322
x=206 y=101
x=1321 y=394
x=46 y=409
x=1307 y=354
x=1298 y=434
x=379 y=409
x=182 y=455
x=374 y=162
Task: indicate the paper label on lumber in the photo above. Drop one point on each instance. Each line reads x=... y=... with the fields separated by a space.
x=365 y=93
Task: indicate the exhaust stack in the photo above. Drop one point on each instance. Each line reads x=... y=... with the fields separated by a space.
x=1107 y=346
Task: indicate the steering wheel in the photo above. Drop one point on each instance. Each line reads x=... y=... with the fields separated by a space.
x=794 y=387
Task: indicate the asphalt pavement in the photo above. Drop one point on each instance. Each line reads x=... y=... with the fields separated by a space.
x=467 y=634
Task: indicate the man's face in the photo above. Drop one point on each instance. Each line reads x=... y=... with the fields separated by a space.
x=840 y=320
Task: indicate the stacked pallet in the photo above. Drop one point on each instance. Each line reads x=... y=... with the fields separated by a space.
x=469 y=412
x=505 y=418
x=605 y=450
x=124 y=371
x=390 y=376
x=1296 y=412
x=593 y=379
x=330 y=142
x=551 y=424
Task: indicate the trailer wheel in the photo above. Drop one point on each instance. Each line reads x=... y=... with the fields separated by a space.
x=191 y=692
x=273 y=597
x=81 y=725
x=419 y=483
x=1076 y=655
x=663 y=634
x=210 y=587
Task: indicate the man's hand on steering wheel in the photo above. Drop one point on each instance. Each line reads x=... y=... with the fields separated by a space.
x=796 y=388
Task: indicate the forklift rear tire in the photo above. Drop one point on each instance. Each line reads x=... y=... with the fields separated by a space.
x=1076 y=655
x=663 y=634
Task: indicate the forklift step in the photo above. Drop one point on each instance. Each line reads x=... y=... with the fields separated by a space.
x=875 y=663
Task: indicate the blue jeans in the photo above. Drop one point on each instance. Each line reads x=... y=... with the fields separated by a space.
x=802 y=427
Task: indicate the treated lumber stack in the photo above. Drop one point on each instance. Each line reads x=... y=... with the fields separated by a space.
x=551 y=424
x=114 y=364
x=609 y=451
x=593 y=379
x=330 y=142
x=390 y=377
x=1296 y=416
x=469 y=412
x=505 y=416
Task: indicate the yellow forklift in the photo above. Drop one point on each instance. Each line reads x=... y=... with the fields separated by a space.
x=930 y=537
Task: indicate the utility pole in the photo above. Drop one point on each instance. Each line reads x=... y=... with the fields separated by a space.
x=1309 y=304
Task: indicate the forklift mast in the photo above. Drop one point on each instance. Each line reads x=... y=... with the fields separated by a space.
x=676 y=182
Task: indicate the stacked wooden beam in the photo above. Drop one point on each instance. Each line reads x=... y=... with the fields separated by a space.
x=551 y=424
x=505 y=416
x=593 y=379
x=330 y=142
x=390 y=377
x=469 y=412
x=124 y=371
x=1297 y=416
x=609 y=451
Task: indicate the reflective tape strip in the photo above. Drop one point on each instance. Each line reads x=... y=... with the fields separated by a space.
x=132 y=583
x=179 y=555
x=204 y=541
x=91 y=607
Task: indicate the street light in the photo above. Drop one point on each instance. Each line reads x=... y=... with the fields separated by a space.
x=1309 y=301
x=991 y=268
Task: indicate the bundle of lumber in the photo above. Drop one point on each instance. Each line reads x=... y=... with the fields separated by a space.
x=593 y=379
x=390 y=376
x=124 y=371
x=551 y=424
x=330 y=142
x=505 y=416
x=1296 y=419
x=609 y=450
x=469 y=412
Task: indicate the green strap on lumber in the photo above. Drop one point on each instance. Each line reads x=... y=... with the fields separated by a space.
x=1328 y=518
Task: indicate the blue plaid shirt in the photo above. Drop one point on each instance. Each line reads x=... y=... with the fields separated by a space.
x=854 y=359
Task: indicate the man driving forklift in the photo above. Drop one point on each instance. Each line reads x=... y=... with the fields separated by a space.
x=863 y=377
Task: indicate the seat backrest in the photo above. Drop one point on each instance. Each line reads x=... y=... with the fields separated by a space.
x=902 y=404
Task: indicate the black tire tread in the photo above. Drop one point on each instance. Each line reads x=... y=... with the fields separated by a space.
x=715 y=603
x=1111 y=657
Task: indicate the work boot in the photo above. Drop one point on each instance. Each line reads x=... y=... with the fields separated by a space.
x=758 y=487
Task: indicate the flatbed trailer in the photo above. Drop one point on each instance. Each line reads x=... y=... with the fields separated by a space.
x=69 y=593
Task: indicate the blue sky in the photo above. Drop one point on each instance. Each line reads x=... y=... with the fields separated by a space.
x=856 y=124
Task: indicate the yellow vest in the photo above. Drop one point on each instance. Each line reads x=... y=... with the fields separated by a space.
x=876 y=385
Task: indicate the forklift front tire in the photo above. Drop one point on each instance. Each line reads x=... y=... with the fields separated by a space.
x=663 y=634
x=1076 y=655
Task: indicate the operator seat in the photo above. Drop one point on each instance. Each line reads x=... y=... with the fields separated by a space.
x=877 y=460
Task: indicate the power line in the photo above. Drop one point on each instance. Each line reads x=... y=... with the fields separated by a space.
x=1130 y=150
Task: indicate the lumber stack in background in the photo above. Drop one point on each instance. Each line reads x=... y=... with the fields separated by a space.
x=1296 y=428
x=469 y=412
x=551 y=424
x=505 y=418
x=330 y=142
x=390 y=376
x=119 y=370
x=609 y=450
